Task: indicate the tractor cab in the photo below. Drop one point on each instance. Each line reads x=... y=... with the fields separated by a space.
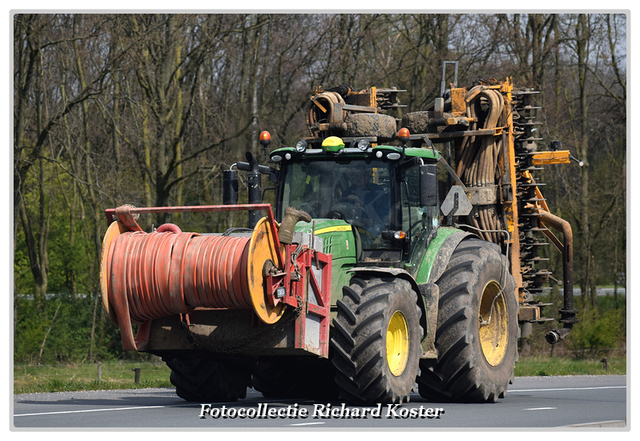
x=376 y=192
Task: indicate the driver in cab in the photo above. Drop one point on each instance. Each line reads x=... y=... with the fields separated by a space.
x=371 y=201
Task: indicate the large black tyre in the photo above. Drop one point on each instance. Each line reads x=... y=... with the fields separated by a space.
x=476 y=336
x=295 y=377
x=376 y=341
x=206 y=380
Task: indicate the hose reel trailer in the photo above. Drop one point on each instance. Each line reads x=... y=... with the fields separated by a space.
x=167 y=272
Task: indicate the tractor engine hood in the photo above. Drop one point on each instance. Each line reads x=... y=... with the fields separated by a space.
x=338 y=237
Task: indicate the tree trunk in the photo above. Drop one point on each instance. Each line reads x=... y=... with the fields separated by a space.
x=48 y=331
x=582 y=40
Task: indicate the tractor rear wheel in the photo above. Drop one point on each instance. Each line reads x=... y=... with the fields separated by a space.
x=376 y=341
x=207 y=380
x=476 y=336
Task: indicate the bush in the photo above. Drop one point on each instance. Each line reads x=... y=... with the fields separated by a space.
x=66 y=323
x=598 y=332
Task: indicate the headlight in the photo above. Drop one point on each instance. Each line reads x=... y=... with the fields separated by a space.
x=394 y=156
x=399 y=235
x=301 y=146
x=363 y=144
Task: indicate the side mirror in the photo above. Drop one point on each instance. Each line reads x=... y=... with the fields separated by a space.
x=428 y=184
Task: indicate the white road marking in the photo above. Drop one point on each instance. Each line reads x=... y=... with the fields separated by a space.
x=108 y=409
x=541 y=408
x=307 y=424
x=565 y=389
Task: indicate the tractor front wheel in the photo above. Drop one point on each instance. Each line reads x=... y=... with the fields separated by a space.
x=376 y=341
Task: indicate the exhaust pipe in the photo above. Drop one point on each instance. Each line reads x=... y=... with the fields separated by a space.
x=567 y=313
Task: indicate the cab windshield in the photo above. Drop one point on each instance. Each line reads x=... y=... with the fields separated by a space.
x=356 y=191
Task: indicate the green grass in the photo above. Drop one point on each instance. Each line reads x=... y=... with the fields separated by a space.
x=120 y=375
x=546 y=366
x=69 y=377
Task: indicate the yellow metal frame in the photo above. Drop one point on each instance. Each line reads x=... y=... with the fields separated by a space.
x=115 y=229
x=548 y=158
x=262 y=248
x=511 y=208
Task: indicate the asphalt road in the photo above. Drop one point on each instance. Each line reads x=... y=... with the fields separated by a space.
x=531 y=402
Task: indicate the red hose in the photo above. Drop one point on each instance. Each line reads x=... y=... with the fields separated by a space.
x=158 y=274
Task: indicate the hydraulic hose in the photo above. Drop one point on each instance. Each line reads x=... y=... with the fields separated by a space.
x=479 y=156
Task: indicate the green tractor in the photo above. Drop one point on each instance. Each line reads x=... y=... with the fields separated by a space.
x=389 y=258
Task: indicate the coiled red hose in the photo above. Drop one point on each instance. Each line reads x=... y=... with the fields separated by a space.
x=159 y=274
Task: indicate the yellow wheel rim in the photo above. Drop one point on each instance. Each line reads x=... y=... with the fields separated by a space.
x=493 y=324
x=397 y=343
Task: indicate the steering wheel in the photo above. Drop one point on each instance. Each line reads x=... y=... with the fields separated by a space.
x=367 y=236
x=352 y=210
x=335 y=214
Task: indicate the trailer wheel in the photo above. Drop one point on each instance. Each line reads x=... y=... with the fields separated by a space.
x=295 y=377
x=376 y=341
x=206 y=380
x=476 y=336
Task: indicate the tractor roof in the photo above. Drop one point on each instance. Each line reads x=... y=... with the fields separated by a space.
x=356 y=149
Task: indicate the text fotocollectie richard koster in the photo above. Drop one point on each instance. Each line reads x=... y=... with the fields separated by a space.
x=320 y=411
